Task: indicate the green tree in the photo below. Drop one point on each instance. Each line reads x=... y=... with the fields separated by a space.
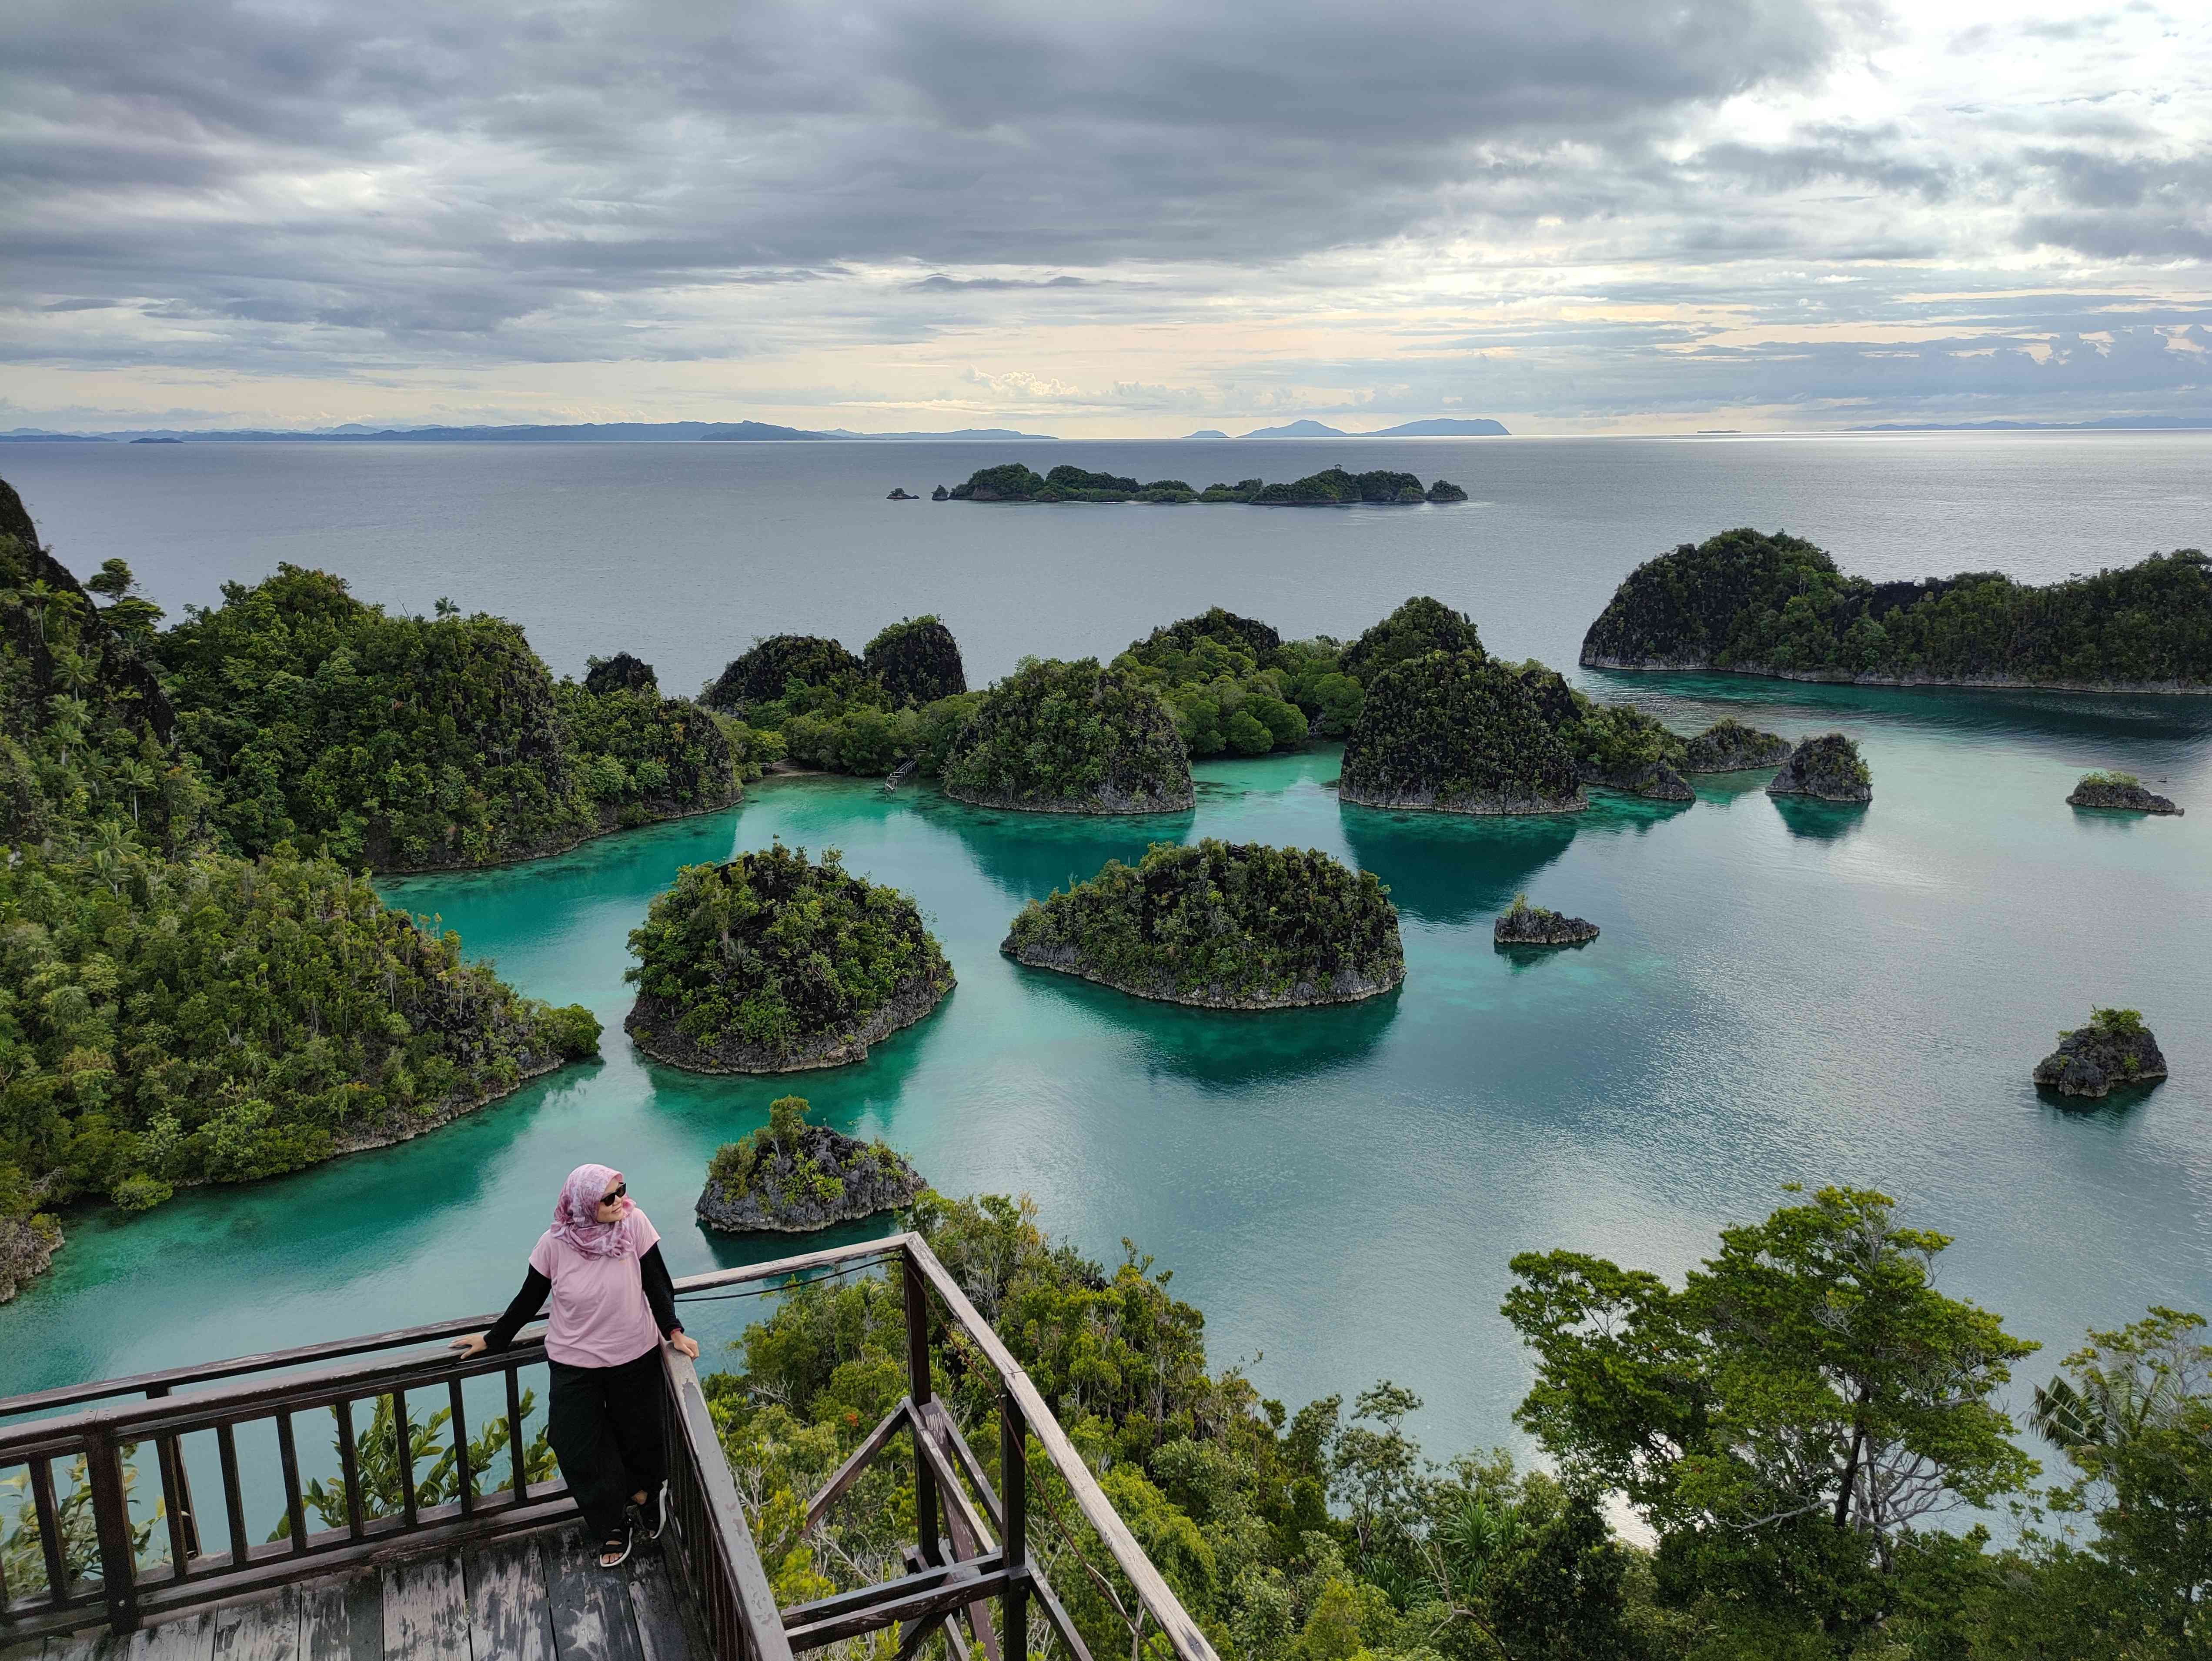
x=1789 y=1420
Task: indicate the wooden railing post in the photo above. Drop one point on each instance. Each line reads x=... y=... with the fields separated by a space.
x=111 y=1516
x=1014 y=1506
x=176 y=1480
x=917 y=1375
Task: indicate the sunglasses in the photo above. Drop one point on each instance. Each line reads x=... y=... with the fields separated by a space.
x=616 y=1193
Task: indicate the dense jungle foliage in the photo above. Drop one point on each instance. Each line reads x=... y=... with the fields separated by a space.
x=1232 y=684
x=1776 y=605
x=1070 y=737
x=620 y=673
x=410 y=743
x=1333 y=487
x=810 y=702
x=1614 y=745
x=1460 y=732
x=1790 y=1426
x=774 y=953
x=171 y=1014
x=1238 y=922
x=760 y=674
x=1420 y=626
x=916 y=661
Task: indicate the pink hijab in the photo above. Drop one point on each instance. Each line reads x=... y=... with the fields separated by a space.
x=576 y=1213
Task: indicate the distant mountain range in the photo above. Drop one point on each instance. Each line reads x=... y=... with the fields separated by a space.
x=1445 y=428
x=620 y=431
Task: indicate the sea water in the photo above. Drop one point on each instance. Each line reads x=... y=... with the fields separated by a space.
x=1783 y=992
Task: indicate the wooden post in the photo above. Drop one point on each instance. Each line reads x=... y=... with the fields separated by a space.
x=917 y=1373
x=175 y=1479
x=111 y=1513
x=1014 y=1506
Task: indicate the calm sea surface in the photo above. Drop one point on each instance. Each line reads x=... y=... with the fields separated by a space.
x=1780 y=995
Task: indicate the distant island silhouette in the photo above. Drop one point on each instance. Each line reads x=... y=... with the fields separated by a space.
x=1446 y=427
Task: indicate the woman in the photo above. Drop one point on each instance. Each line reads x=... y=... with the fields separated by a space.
x=613 y=1304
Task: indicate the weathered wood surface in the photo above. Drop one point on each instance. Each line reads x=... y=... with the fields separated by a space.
x=537 y=1597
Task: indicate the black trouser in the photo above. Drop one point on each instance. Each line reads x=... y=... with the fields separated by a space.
x=605 y=1426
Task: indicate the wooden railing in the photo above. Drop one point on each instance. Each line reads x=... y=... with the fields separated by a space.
x=970 y=1552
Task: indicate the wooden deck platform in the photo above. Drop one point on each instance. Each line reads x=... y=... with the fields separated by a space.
x=537 y=1596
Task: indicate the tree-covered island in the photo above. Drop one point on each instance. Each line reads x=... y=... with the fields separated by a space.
x=1756 y=604
x=806 y=700
x=793 y=1178
x=1070 y=738
x=172 y=1013
x=1828 y=768
x=1333 y=487
x=1458 y=733
x=410 y=744
x=1730 y=746
x=775 y=963
x=1221 y=924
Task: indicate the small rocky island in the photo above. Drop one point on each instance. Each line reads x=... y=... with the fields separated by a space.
x=1533 y=925
x=1222 y=926
x=776 y=964
x=2116 y=1049
x=1333 y=487
x=2120 y=790
x=900 y=493
x=1457 y=733
x=1071 y=738
x=1730 y=746
x=793 y=1178
x=1827 y=768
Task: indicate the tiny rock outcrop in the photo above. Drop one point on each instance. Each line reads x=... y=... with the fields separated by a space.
x=1827 y=768
x=2116 y=1049
x=901 y=494
x=793 y=1178
x=1444 y=490
x=1533 y=925
x=2121 y=790
x=940 y=493
x=1730 y=746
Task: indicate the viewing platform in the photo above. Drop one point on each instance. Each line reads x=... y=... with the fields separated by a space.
x=453 y=1538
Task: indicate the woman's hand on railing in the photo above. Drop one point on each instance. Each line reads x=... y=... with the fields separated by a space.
x=471 y=1345
x=683 y=1344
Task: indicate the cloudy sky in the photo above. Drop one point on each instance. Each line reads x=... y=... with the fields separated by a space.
x=1104 y=217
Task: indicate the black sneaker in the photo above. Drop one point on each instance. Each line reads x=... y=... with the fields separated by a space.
x=614 y=1550
x=651 y=1514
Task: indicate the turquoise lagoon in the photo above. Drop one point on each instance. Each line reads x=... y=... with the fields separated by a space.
x=1783 y=993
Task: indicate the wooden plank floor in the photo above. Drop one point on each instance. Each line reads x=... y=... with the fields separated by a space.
x=536 y=1598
